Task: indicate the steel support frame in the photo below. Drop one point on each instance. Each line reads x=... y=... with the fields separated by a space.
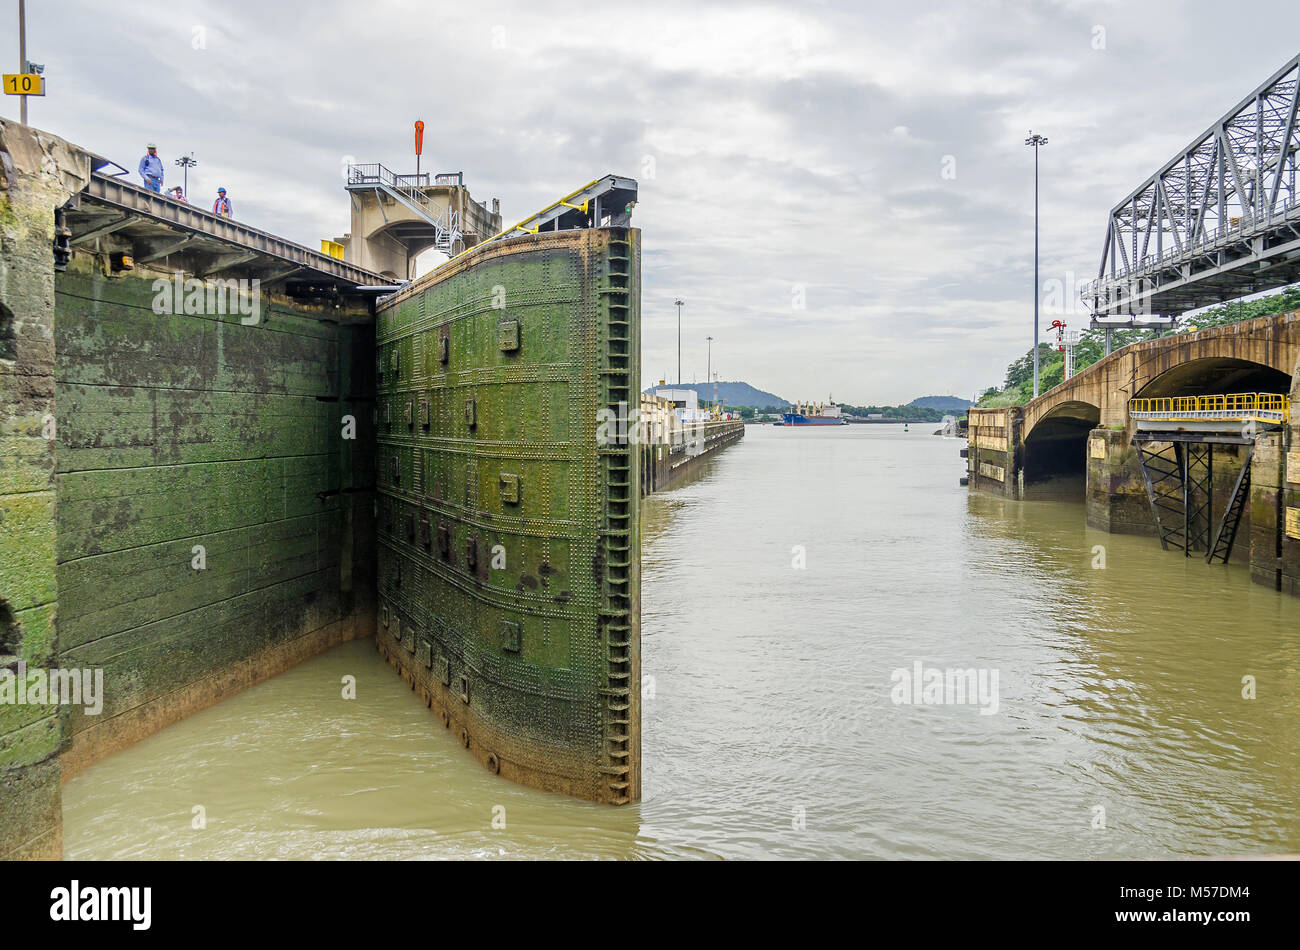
x=1179 y=480
x=1198 y=495
x=1162 y=473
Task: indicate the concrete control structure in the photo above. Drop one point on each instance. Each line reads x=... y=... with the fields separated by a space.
x=395 y=218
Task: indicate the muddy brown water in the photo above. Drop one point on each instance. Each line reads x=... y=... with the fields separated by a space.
x=771 y=726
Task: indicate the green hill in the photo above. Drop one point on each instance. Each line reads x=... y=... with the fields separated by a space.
x=733 y=393
x=942 y=403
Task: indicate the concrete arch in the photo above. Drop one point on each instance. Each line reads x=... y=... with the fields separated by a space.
x=1259 y=355
x=1056 y=448
x=402 y=244
x=1072 y=409
x=1217 y=374
x=393 y=247
x=404 y=234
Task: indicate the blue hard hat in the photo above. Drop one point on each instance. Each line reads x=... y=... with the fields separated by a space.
x=221 y=191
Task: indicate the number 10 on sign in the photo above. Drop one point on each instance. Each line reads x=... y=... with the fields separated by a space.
x=24 y=84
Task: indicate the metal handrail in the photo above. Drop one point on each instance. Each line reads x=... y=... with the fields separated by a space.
x=1247 y=224
x=445 y=220
x=1273 y=406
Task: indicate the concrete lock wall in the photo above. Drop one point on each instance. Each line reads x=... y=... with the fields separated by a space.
x=671 y=448
x=207 y=500
x=1116 y=499
x=37 y=174
x=1116 y=496
x=665 y=464
x=178 y=505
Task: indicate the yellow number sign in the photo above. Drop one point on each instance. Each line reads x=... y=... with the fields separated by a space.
x=24 y=84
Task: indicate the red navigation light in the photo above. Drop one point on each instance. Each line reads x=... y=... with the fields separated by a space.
x=1059 y=327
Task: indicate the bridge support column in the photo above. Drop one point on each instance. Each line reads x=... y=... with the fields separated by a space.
x=995 y=459
x=1116 y=497
x=1275 y=510
x=1274 y=503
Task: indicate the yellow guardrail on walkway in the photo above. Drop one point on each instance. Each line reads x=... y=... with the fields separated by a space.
x=1266 y=407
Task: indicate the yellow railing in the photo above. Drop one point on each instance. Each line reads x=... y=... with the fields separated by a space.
x=1271 y=407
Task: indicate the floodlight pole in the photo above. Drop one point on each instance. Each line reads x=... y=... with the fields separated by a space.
x=679 y=303
x=1035 y=141
x=22 y=55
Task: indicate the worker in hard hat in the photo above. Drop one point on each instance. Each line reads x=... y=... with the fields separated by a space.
x=151 y=169
x=221 y=207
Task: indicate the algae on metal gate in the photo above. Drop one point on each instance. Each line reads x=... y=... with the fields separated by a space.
x=509 y=539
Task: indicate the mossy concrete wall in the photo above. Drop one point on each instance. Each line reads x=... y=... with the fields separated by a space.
x=1275 y=504
x=207 y=509
x=1287 y=576
x=37 y=174
x=1116 y=495
x=180 y=505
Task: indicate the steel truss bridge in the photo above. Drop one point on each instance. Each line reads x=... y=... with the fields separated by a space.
x=1219 y=220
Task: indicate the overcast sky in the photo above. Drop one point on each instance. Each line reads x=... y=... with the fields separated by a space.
x=863 y=160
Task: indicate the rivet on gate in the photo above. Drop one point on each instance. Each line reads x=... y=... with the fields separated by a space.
x=464 y=738
x=493 y=763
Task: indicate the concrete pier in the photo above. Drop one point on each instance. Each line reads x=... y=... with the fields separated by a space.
x=1082 y=430
x=671 y=449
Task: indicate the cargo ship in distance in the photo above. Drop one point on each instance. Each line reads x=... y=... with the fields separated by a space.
x=814 y=414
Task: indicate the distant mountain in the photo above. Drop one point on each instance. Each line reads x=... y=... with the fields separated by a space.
x=735 y=394
x=942 y=403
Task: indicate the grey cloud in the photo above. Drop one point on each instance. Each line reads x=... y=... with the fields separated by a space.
x=776 y=164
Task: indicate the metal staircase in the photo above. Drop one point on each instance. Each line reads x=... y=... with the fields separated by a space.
x=1179 y=476
x=1221 y=547
x=1175 y=440
x=409 y=191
